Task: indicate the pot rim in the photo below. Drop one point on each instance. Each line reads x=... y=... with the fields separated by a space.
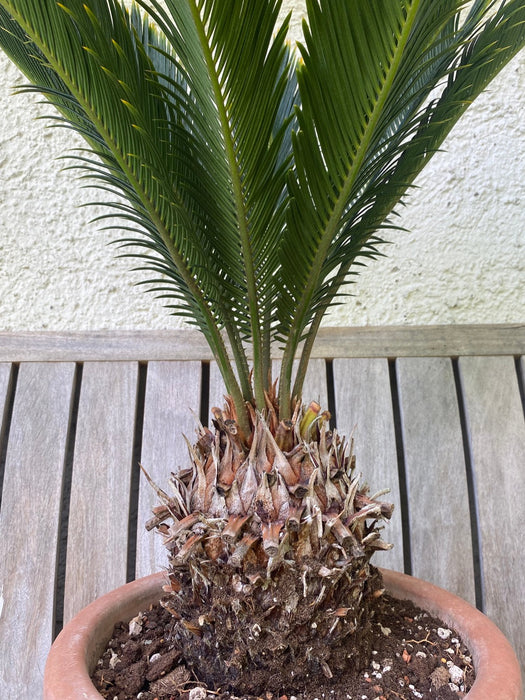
x=495 y=661
x=82 y=641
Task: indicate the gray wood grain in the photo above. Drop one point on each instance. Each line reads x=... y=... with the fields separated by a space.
x=436 y=478
x=171 y=410
x=100 y=489
x=364 y=408
x=217 y=389
x=496 y=425
x=315 y=387
x=186 y=344
x=5 y=377
x=29 y=521
x=421 y=341
x=98 y=524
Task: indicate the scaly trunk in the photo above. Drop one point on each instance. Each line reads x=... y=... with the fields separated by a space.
x=270 y=550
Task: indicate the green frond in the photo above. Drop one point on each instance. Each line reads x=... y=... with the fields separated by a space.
x=366 y=133
x=251 y=187
x=103 y=83
x=484 y=43
x=240 y=72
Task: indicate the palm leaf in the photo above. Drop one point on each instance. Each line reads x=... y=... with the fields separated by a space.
x=240 y=73
x=363 y=141
x=85 y=52
x=194 y=122
x=250 y=189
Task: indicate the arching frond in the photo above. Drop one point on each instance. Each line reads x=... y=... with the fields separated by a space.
x=251 y=187
x=189 y=124
x=402 y=74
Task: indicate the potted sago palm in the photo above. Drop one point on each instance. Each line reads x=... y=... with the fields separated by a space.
x=251 y=179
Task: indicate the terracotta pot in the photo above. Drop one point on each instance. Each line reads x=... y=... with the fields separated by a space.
x=498 y=673
x=82 y=641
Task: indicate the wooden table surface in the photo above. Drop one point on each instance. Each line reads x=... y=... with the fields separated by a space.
x=437 y=415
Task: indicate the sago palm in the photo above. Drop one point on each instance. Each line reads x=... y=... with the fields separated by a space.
x=250 y=179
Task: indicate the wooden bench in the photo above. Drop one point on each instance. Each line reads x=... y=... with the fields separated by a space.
x=438 y=415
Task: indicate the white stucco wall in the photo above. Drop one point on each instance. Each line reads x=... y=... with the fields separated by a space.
x=463 y=259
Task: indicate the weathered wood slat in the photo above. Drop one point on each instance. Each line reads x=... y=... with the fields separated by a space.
x=496 y=425
x=5 y=376
x=421 y=341
x=434 y=460
x=440 y=532
x=217 y=389
x=315 y=384
x=100 y=488
x=29 y=523
x=171 y=410
x=364 y=409
x=367 y=341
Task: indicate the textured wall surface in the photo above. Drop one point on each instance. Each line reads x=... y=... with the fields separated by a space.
x=462 y=259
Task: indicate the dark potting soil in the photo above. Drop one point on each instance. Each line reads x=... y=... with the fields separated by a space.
x=415 y=656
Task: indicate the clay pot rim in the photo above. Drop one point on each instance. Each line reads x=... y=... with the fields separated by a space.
x=495 y=661
x=81 y=642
